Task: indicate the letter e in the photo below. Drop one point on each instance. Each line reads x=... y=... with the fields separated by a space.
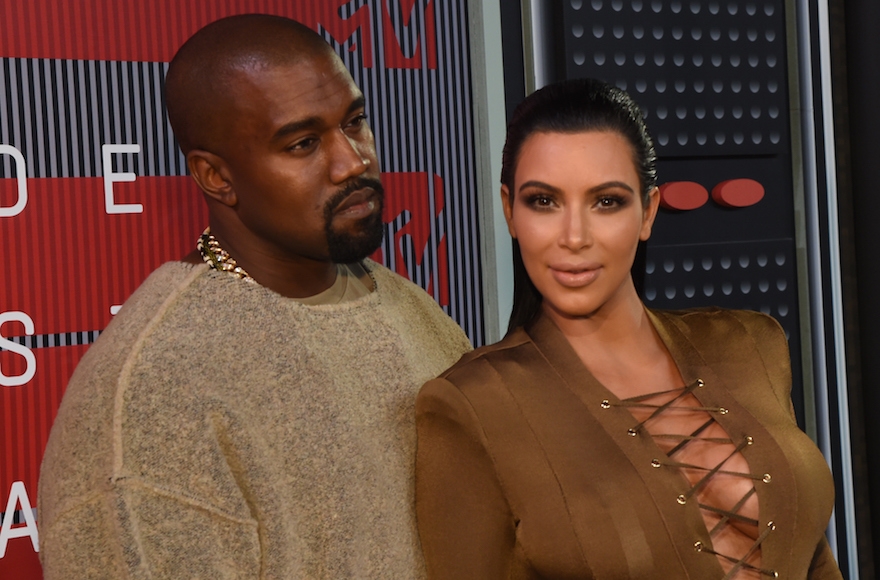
x=19 y=349
x=21 y=177
x=18 y=495
x=110 y=178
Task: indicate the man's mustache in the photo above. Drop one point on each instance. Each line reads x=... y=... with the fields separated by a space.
x=352 y=186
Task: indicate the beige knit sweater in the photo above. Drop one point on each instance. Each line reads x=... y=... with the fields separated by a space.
x=218 y=430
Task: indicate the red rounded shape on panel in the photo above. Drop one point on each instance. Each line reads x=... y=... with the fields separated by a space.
x=683 y=195
x=738 y=193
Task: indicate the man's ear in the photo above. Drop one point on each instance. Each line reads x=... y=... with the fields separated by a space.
x=212 y=176
x=508 y=210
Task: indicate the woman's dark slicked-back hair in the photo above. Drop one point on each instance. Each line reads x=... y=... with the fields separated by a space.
x=571 y=106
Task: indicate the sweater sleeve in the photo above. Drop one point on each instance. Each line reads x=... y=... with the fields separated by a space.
x=132 y=530
x=465 y=523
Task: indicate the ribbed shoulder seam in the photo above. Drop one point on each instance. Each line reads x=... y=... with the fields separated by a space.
x=128 y=366
x=486 y=353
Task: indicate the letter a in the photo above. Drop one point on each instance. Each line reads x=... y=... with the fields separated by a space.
x=18 y=495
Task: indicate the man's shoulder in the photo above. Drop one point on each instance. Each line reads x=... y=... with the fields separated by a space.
x=400 y=292
x=163 y=282
x=417 y=315
x=388 y=281
x=141 y=313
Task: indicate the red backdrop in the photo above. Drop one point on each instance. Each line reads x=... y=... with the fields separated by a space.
x=68 y=261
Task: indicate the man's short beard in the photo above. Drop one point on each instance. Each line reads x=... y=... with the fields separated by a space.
x=350 y=247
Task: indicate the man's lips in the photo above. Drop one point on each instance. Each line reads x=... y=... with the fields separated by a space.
x=574 y=275
x=359 y=203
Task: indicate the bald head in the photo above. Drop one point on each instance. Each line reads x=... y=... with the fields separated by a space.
x=201 y=73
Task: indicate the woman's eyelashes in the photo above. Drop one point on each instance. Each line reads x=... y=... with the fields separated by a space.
x=539 y=201
x=610 y=202
x=542 y=201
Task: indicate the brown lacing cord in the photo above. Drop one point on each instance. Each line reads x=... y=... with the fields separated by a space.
x=683 y=440
x=740 y=563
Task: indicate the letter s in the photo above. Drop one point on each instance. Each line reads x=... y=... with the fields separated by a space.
x=24 y=351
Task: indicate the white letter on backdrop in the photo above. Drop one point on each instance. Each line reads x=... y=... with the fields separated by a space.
x=110 y=178
x=18 y=495
x=21 y=177
x=18 y=348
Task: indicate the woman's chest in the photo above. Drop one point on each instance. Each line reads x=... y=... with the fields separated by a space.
x=597 y=494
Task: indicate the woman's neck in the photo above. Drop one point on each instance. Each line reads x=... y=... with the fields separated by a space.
x=621 y=348
x=619 y=319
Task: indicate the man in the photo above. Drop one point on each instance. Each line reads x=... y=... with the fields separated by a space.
x=249 y=412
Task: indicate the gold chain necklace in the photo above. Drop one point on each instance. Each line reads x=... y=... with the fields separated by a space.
x=218 y=258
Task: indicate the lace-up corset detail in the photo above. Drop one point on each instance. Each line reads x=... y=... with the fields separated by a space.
x=715 y=468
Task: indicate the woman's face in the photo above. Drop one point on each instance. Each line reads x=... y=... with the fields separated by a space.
x=578 y=215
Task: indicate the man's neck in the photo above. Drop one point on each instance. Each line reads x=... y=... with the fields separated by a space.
x=292 y=278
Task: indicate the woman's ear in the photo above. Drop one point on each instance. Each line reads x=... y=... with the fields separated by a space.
x=212 y=176
x=507 y=204
x=650 y=213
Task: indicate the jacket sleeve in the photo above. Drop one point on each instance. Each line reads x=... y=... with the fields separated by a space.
x=824 y=566
x=772 y=345
x=465 y=523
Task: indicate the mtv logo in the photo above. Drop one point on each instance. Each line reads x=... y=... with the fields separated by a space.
x=409 y=35
x=410 y=195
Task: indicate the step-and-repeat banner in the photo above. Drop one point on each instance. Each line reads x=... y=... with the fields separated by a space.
x=94 y=195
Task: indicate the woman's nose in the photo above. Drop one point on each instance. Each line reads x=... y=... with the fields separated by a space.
x=575 y=232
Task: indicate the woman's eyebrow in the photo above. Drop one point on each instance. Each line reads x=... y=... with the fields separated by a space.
x=594 y=189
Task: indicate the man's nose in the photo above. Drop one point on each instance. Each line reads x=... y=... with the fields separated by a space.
x=349 y=157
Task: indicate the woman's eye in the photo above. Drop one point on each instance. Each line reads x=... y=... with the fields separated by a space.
x=541 y=201
x=609 y=202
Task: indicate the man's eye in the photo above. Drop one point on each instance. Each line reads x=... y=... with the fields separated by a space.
x=358 y=121
x=303 y=144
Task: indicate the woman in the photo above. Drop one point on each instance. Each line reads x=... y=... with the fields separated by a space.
x=600 y=439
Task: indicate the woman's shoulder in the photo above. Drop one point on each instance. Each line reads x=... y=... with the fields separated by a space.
x=492 y=355
x=484 y=382
x=713 y=322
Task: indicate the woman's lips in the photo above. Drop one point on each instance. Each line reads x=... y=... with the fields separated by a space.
x=575 y=276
